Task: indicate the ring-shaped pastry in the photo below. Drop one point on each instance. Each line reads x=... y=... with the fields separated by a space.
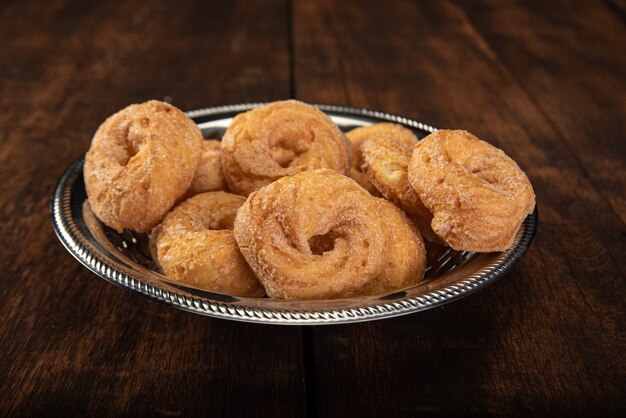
x=320 y=235
x=479 y=196
x=140 y=163
x=280 y=139
x=194 y=245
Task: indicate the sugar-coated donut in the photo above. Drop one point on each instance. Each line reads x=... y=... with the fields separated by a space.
x=478 y=195
x=319 y=235
x=358 y=136
x=195 y=245
x=141 y=161
x=280 y=139
x=385 y=161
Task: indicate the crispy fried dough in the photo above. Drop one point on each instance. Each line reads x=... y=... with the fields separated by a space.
x=385 y=161
x=280 y=139
x=320 y=235
x=195 y=245
x=141 y=161
x=478 y=195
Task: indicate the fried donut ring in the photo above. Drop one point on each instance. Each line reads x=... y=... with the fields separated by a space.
x=385 y=161
x=478 y=195
x=209 y=176
x=195 y=245
x=305 y=243
x=359 y=135
x=141 y=161
x=280 y=139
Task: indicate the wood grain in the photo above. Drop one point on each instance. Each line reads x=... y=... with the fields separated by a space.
x=546 y=339
x=579 y=87
x=73 y=345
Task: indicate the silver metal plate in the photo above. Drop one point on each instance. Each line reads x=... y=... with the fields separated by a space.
x=124 y=259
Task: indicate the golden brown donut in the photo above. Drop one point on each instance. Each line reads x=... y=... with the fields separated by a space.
x=359 y=135
x=385 y=161
x=478 y=195
x=319 y=235
x=195 y=246
x=209 y=176
x=280 y=139
x=141 y=161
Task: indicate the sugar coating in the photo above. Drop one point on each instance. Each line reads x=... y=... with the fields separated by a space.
x=319 y=235
x=280 y=139
x=195 y=245
x=140 y=162
x=478 y=195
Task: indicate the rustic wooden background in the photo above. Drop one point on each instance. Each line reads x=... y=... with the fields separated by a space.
x=543 y=80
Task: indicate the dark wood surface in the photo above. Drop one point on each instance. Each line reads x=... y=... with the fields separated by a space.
x=544 y=81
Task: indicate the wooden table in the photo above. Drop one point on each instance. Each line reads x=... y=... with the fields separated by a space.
x=545 y=82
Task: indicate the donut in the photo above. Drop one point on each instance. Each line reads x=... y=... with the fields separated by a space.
x=209 y=176
x=319 y=235
x=385 y=161
x=280 y=139
x=140 y=162
x=478 y=196
x=359 y=135
x=195 y=246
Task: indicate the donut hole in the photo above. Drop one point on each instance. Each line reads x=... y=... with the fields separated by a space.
x=130 y=152
x=289 y=147
x=357 y=164
x=218 y=222
x=134 y=138
x=320 y=244
x=283 y=156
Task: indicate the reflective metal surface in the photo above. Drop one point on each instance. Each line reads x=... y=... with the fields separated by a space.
x=124 y=259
